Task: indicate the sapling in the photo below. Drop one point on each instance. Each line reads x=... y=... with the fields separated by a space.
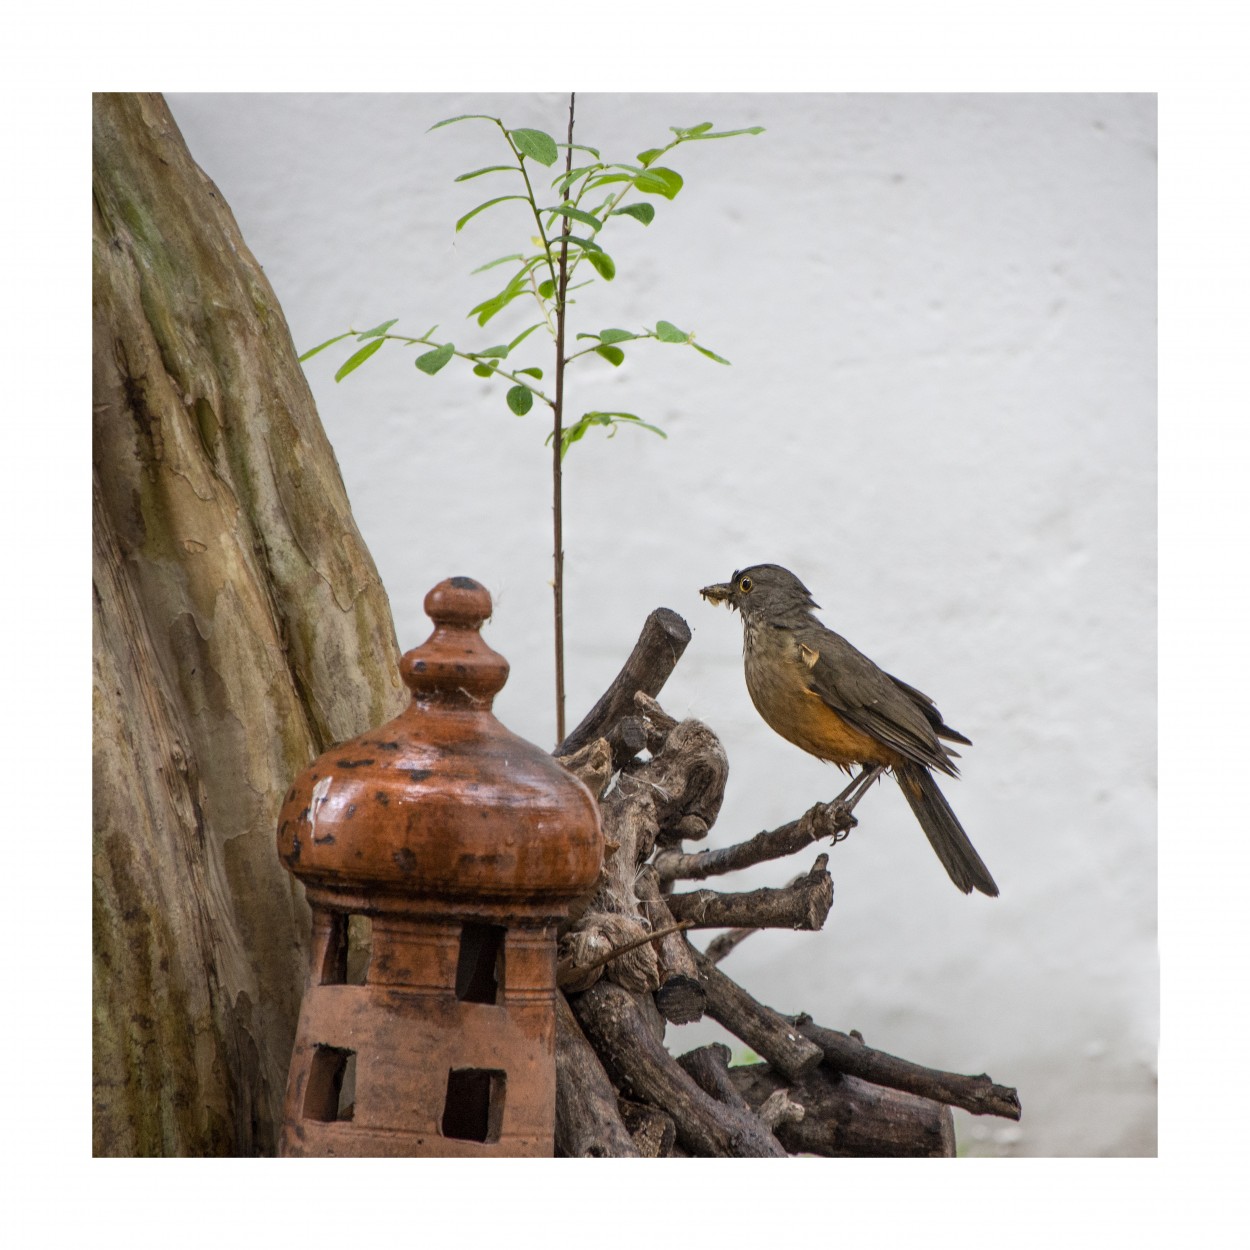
x=570 y=214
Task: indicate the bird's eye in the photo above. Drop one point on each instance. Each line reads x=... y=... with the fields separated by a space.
x=745 y=584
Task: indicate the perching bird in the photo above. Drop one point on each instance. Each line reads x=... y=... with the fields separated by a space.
x=819 y=692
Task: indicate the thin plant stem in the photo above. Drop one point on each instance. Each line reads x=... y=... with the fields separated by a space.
x=557 y=483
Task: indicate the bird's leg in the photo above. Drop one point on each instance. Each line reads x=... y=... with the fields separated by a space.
x=844 y=804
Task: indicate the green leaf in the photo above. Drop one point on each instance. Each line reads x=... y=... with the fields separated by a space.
x=580 y=147
x=490 y=264
x=602 y=264
x=576 y=240
x=488 y=169
x=492 y=353
x=613 y=355
x=338 y=338
x=603 y=179
x=651 y=154
x=482 y=208
x=534 y=371
x=644 y=213
x=691 y=132
x=536 y=144
x=638 y=421
x=432 y=362
x=611 y=420
x=546 y=289
x=567 y=179
x=464 y=117
x=615 y=336
x=566 y=210
x=659 y=181
x=711 y=355
x=484 y=371
x=356 y=359
x=377 y=331
x=728 y=134
x=520 y=338
x=516 y=286
x=667 y=332
x=520 y=400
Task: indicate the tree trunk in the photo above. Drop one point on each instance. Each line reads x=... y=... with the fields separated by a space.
x=239 y=629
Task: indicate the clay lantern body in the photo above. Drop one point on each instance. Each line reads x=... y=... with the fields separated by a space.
x=460 y=846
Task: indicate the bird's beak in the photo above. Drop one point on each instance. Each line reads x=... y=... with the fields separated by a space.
x=720 y=593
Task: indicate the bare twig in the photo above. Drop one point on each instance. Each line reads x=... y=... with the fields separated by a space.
x=821 y=821
x=977 y=1094
x=663 y=639
x=803 y=904
x=723 y=943
x=569 y=972
x=767 y=1033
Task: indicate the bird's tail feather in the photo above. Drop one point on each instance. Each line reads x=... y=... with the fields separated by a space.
x=945 y=833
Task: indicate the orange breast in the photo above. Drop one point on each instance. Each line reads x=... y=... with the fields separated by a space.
x=809 y=723
x=778 y=687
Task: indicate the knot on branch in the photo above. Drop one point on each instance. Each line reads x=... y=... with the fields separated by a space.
x=587 y=952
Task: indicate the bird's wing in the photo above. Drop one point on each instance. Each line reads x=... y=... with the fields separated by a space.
x=870 y=699
x=929 y=708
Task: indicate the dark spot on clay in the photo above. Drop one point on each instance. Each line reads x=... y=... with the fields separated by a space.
x=290 y=794
x=405 y=860
x=419 y=774
x=351 y=810
x=292 y=857
x=327 y=840
x=303 y=816
x=388 y=746
x=380 y=795
x=465 y=583
x=353 y=763
x=418 y=666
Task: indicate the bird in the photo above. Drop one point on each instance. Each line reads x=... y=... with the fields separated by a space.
x=817 y=691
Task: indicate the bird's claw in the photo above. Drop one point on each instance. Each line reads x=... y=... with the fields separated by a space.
x=831 y=820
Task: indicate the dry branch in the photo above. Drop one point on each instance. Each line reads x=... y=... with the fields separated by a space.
x=643 y=1068
x=591 y=765
x=803 y=904
x=653 y=1130
x=846 y=1117
x=660 y=645
x=588 y=1124
x=977 y=1094
x=681 y=997
x=627 y=738
x=767 y=1033
x=684 y=782
x=723 y=943
x=823 y=820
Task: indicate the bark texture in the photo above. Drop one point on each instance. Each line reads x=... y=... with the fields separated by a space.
x=239 y=628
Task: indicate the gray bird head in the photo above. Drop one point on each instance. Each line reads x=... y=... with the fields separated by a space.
x=764 y=592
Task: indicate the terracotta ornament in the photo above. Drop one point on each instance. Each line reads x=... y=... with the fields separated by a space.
x=459 y=846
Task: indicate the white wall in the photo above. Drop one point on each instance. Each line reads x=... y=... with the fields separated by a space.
x=941 y=415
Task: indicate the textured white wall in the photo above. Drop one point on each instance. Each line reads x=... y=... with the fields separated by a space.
x=941 y=415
